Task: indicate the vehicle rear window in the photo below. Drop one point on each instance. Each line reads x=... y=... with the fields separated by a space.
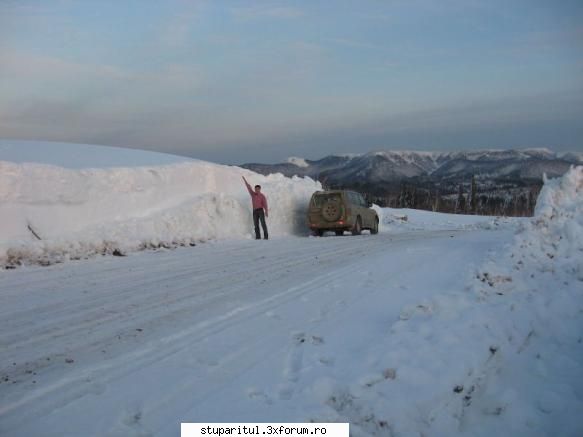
x=320 y=199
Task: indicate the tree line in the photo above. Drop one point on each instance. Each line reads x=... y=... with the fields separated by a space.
x=501 y=198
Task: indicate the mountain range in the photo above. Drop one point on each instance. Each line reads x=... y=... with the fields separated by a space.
x=386 y=174
x=396 y=166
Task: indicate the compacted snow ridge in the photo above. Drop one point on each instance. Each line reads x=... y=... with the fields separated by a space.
x=440 y=325
x=51 y=214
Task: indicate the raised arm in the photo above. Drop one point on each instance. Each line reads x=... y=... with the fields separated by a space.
x=247 y=185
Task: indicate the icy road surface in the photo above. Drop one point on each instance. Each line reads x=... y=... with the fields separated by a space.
x=221 y=332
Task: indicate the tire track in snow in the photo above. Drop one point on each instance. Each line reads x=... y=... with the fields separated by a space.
x=95 y=312
x=72 y=387
x=337 y=257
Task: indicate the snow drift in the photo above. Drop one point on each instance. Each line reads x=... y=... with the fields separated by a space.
x=535 y=293
x=559 y=224
x=51 y=214
x=515 y=332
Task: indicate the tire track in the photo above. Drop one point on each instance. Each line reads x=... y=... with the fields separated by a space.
x=171 y=320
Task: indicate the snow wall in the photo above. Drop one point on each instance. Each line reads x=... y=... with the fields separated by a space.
x=556 y=233
x=519 y=356
x=51 y=214
x=502 y=355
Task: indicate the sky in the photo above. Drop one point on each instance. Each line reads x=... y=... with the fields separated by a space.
x=259 y=81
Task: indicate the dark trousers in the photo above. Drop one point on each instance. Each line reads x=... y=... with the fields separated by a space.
x=259 y=214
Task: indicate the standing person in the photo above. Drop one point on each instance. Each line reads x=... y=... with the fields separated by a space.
x=259 y=209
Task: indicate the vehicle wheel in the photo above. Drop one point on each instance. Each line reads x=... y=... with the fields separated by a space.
x=357 y=229
x=318 y=232
x=339 y=233
x=375 y=228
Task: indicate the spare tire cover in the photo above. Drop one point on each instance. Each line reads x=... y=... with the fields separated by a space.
x=331 y=211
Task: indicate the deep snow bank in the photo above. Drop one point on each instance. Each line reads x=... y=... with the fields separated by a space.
x=505 y=354
x=51 y=213
x=536 y=294
x=557 y=231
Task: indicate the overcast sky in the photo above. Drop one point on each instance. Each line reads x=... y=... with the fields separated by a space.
x=258 y=81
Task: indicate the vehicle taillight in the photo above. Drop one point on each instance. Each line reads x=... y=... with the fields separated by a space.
x=340 y=222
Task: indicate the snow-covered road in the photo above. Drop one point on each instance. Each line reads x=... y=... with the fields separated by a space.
x=228 y=331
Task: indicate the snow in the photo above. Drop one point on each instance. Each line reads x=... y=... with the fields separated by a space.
x=572 y=156
x=51 y=214
x=407 y=156
x=439 y=325
x=78 y=156
x=348 y=155
x=405 y=219
x=299 y=162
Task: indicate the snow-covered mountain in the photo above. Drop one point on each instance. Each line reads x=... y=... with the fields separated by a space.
x=395 y=166
x=506 y=181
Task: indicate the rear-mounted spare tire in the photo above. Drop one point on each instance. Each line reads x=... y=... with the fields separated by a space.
x=331 y=211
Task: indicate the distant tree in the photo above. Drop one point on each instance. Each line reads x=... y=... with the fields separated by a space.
x=474 y=196
x=435 y=203
x=414 y=198
x=532 y=200
x=522 y=203
x=405 y=197
x=460 y=206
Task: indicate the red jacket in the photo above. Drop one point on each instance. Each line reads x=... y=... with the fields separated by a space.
x=258 y=199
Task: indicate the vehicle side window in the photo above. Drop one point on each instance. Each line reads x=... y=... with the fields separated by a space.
x=352 y=198
x=361 y=200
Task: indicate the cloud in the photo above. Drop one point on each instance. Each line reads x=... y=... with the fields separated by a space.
x=177 y=108
x=236 y=137
x=546 y=120
x=354 y=44
x=27 y=76
x=16 y=65
x=176 y=31
x=27 y=80
x=551 y=41
x=266 y=11
x=43 y=97
x=262 y=110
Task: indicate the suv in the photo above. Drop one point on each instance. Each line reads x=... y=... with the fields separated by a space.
x=340 y=211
